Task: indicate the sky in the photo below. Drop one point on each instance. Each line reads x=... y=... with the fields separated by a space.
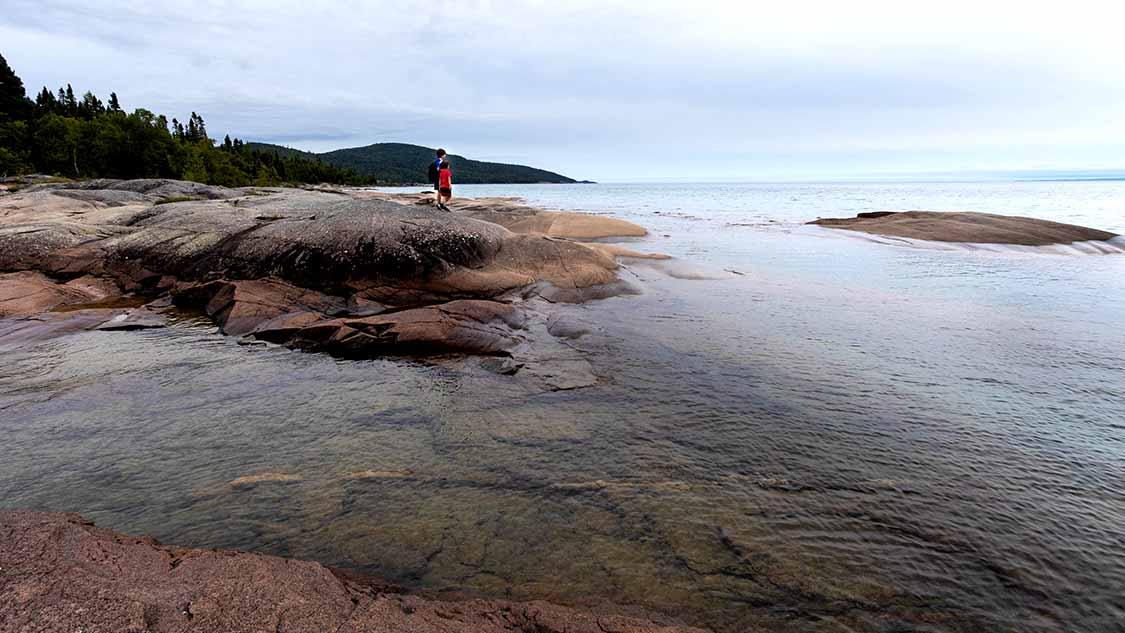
x=616 y=90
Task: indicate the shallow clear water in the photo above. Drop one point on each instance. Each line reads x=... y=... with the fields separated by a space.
x=842 y=435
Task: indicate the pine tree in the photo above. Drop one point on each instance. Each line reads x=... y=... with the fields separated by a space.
x=71 y=102
x=192 y=134
x=197 y=130
x=90 y=106
x=114 y=104
x=14 y=104
x=45 y=102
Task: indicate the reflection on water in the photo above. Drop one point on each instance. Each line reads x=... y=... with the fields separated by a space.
x=849 y=436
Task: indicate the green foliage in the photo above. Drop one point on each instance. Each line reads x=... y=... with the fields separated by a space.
x=62 y=135
x=14 y=104
x=404 y=163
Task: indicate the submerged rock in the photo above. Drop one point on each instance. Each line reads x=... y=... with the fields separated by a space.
x=58 y=572
x=464 y=326
x=979 y=228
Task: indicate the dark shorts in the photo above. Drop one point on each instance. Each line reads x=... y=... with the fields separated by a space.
x=445 y=191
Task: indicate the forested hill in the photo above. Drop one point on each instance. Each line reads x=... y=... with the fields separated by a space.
x=404 y=163
x=81 y=137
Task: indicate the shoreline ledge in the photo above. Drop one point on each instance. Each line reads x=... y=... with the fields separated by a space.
x=351 y=272
x=59 y=572
x=967 y=227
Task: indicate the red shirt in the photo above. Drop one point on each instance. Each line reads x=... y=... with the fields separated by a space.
x=445 y=179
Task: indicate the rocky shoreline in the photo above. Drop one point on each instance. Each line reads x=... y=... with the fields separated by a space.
x=59 y=572
x=350 y=272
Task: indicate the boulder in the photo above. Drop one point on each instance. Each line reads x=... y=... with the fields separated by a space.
x=966 y=227
x=241 y=307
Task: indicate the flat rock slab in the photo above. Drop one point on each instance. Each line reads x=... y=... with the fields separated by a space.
x=28 y=293
x=314 y=239
x=966 y=227
x=58 y=572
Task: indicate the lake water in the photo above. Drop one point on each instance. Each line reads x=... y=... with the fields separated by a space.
x=796 y=429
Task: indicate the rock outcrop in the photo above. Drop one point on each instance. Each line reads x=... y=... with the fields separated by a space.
x=59 y=572
x=966 y=227
x=349 y=272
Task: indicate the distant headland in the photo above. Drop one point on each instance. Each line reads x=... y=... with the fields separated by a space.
x=405 y=163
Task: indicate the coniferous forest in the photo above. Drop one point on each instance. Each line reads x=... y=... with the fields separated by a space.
x=62 y=134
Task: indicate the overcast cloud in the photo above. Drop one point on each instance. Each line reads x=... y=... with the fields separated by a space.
x=639 y=90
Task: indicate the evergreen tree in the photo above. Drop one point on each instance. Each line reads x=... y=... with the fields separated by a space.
x=45 y=102
x=14 y=104
x=70 y=102
x=196 y=130
x=90 y=106
x=227 y=145
x=114 y=105
x=192 y=133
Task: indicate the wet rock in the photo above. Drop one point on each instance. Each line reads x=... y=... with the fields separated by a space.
x=502 y=366
x=134 y=320
x=979 y=228
x=616 y=250
x=562 y=326
x=284 y=327
x=465 y=326
x=28 y=293
x=241 y=307
x=58 y=572
x=264 y=478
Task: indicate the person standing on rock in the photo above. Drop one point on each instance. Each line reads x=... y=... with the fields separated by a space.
x=445 y=185
x=432 y=172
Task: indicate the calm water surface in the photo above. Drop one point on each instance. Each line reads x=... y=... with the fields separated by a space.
x=838 y=435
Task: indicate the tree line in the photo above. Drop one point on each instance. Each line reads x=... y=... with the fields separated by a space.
x=61 y=134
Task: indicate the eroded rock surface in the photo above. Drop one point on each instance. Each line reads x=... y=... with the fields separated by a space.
x=979 y=228
x=348 y=272
x=59 y=572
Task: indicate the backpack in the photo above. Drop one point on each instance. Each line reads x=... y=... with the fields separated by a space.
x=433 y=172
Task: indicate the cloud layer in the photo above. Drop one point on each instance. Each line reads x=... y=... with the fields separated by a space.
x=641 y=90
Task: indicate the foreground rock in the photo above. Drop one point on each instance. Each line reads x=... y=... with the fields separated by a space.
x=980 y=228
x=59 y=572
x=348 y=272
